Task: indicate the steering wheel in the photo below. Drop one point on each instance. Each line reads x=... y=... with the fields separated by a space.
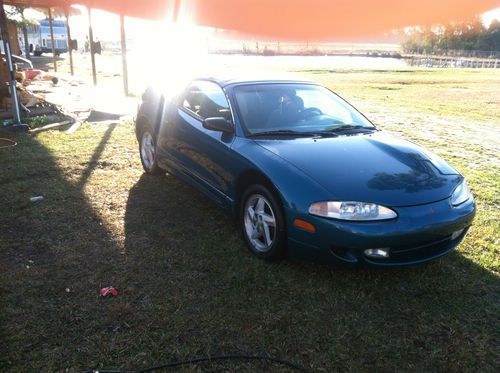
x=310 y=112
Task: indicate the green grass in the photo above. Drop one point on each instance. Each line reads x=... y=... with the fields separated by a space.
x=188 y=287
x=470 y=94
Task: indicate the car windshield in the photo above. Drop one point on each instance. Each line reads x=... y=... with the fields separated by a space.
x=284 y=108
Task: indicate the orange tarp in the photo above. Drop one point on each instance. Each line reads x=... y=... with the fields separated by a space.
x=293 y=19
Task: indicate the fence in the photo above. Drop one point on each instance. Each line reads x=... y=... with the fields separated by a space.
x=456 y=53
x=457 y=62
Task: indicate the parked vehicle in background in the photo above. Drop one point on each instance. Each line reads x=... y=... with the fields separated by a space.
x=39 y=37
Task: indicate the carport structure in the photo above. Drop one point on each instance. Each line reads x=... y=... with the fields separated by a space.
x=311 y=20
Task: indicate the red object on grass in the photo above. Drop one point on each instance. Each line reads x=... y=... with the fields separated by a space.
x=30 y=74
x=108 y=290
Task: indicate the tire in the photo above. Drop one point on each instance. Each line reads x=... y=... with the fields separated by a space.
x=147 y=150
x=264 y=229
x=37 y=53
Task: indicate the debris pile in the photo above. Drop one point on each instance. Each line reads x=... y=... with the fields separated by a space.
x=31 y=87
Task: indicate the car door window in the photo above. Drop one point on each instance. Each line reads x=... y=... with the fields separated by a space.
x=206 y=100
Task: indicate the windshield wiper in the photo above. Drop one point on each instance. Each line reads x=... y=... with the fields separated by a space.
x=289 y=133
x=349 y=127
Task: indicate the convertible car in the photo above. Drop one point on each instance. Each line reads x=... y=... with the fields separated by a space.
x=304 y=172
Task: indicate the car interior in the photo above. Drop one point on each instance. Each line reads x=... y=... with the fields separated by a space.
x=268 y=108
x=206 y=104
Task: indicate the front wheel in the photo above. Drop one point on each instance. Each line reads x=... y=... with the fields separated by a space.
x=263 y=223
x=147 y=151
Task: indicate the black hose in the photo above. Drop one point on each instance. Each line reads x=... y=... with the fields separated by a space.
x=210 y=358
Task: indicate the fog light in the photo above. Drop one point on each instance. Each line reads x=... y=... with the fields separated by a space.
x=456 y=234
x=377 y=253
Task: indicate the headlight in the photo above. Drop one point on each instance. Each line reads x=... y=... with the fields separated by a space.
x=358 y=211
x=461 y=194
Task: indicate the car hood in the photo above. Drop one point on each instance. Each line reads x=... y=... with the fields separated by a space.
x=376 y=167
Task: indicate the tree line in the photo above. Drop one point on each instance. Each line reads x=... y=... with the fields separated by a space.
x=471 y=35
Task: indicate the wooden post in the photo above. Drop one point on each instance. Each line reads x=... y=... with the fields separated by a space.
x=70 y=50
x=10 y=66
x=124 y=54
x=52 y=40
x=91 y=44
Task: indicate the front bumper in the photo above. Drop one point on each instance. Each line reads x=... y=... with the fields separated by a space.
x=419 y=234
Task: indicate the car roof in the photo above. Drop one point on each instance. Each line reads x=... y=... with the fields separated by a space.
x=225 y=79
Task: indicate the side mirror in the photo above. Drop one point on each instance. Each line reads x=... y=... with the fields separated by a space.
x=218 y=124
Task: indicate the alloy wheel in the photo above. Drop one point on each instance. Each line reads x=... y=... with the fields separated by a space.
x=147 y=150
x=260 y=223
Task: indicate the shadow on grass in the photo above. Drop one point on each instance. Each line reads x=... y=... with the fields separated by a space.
x=96 y=156
x=51 y=262
x=189 y=288
x=433 y=317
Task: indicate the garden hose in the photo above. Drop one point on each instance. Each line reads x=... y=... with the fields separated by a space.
x=10 y=143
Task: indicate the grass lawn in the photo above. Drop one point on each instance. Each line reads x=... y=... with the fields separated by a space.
x=188 y=286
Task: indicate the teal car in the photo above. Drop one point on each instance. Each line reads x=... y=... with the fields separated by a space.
x=305 y=174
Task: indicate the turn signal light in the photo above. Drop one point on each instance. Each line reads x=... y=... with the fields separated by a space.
x=302 y=224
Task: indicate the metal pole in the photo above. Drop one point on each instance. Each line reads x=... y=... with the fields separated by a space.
x=13 y=83
x=12 y=78
x=124 y=54
x=52 y=40
x=91 y=43
x=70 y=50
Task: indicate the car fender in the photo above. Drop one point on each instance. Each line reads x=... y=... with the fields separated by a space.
x=295 y=188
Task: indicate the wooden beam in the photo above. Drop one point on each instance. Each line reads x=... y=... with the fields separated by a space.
x=10 y=66
x=124 y=55
x=91 y=44
x=52 y=40
x=68 y=32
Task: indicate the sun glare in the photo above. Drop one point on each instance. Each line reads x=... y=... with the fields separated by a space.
x=488 y=17
x=175 y=50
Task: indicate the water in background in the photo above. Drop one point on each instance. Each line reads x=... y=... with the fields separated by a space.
x=307 y=62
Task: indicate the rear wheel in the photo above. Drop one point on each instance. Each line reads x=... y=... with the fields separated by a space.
x=147 y=150
x=262 y=222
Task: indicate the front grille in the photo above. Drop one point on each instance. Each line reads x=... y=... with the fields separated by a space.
x=400 y=255
x=421 y=252
x=398 y=250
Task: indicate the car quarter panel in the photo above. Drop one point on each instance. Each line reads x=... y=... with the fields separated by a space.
x=150 y=109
